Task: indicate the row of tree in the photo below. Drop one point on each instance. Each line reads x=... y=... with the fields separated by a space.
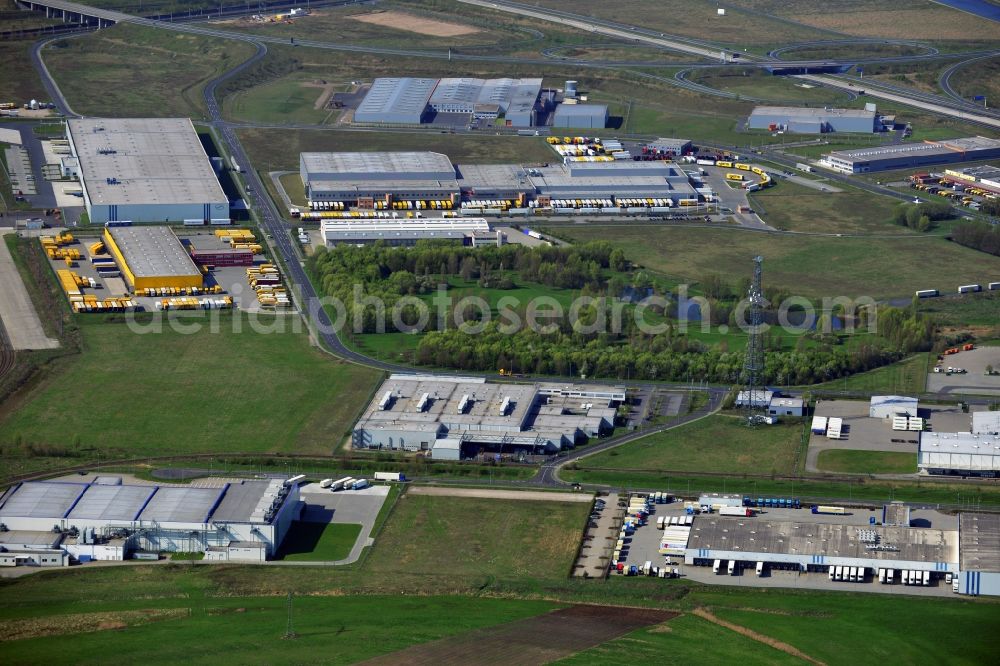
x=922 y=216
x=980 y=236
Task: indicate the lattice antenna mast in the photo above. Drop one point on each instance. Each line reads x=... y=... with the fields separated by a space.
x=289 y=627
x=753 y=365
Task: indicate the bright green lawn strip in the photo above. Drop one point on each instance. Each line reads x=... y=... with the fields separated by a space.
x=717 y=443
x=849 y=461
x=319 y=542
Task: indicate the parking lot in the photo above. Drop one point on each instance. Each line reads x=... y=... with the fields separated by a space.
x=863 y=433
x=974 y=379
x=357 y=507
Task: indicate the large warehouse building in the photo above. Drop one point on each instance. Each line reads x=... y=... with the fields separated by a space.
x=396 y=101
x=583 y=116
x=359 y=176
x=966 y=547
x=363 y=178
x=405 y=232
x=145 y=170
x=519 y=102
x=814 y=121
x=106 y=520
x=912 y=155
x=453 y=417
x=959 y=454
x=985 y=177
x=152 y=258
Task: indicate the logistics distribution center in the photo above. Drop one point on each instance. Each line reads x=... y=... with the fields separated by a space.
x=337 y=181
x=459 y=417
x=152 y=258
x=910 y=155
x=48 y=523
x=520 y=102
x=814 y=121
x=967 y=548
x=145 y=170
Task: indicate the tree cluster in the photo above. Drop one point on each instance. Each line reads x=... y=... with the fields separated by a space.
x=922 y=216
x=980 y=236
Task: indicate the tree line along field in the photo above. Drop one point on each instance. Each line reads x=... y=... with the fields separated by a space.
x=810 y=266
x=207 y=392
x=442 y=567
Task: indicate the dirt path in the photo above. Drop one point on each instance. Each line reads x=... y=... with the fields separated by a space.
x=761 y=638
x=327 y=90
x=486 y=493
x=530 y=642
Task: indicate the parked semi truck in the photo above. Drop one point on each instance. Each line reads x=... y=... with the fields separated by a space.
x=835 y=510
x=735 y=511
x=390 y=476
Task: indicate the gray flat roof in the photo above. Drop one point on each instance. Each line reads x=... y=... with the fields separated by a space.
x=984 y=172
x=42 y=499
x=181 y=505
x=493 y=176
x=47 y=539
x=240 y=501
x=502 y=92
x=153 y=251
x=979 y=541
x=760 y=535
x=814 y=113
x=143 y=161
x=103 y=502
x=383 y=165
x=967 y=144
x=397 y=95
x=581 y=110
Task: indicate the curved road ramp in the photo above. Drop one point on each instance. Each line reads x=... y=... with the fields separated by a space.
x=19 y=320
x=532 y=641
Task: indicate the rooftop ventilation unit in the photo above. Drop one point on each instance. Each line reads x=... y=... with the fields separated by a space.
x=505 y=405
x=464 y=403
x=386 y=400
x=425 y=400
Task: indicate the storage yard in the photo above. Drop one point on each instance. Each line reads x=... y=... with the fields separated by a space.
x=828 y=547
x=145 y=170
x=454 y=418
x=154 y=268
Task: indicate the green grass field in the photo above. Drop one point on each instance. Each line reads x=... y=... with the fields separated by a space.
x=977 y=310
x=140 y=71
x=449 y=536
x=848 y=461
x=807 y=266
x=795 y=207
x=695 y=18
x=717 y=443
x=284 y=100
x=206 y=630
x=687 y=639
x=319 y=542
x=276 y=149
x=205 y=392
x=907 y=376
x=760 y=84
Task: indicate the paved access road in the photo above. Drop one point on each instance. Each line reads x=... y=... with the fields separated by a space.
x=20 y=323
x=489 y=493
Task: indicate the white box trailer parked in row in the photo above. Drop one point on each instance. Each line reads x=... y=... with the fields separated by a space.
x=326 y=483
x=340 y=484
x=732 y=567
x=760 y=568
x=390 y=476
x=716 y=566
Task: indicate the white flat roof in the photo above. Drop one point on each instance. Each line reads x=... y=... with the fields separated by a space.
x=985 y=422
x=134 y=161
x=181 y=505
x=816 y=113
x=962 y=443
x=102 y=502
